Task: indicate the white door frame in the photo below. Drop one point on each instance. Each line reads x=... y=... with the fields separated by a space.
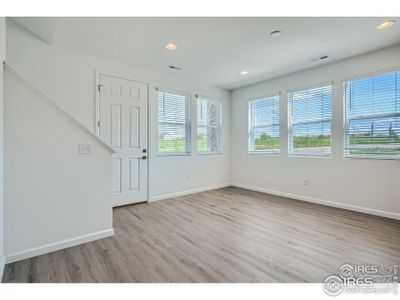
x=97 y=73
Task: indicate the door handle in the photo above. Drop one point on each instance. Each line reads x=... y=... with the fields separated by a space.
x=144 y=157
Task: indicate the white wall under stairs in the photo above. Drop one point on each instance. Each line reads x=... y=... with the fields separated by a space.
x=55 y=197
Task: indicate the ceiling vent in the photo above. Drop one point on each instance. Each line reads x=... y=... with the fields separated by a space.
x=319 y=58
x=174 y=68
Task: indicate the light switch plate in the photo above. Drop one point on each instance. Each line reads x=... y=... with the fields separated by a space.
x=84 y=149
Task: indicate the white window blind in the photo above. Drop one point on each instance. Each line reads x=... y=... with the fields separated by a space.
x=264 y=125
x=372 y=116
x=208 y=126
x=310 y=118
x=173 y=124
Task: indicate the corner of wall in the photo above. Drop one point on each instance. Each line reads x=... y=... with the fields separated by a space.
x=231 y=135
x=2 y=266
x=2 y=58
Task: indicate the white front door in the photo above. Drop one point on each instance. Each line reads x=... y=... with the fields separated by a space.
x=123 y=124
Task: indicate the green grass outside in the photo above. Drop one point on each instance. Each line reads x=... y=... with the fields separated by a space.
x=179 y=145
x=311 y=141
x=266 y=142
x=367 y=139
x=172 y=146
x=202 y=143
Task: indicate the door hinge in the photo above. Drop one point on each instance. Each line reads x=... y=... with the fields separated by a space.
x=98 y=123
x=99 y=87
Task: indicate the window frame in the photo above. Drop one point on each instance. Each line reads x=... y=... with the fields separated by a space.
x=289 y=100
x=345 y=119
x=219 y=125
x=188 y=123
x=271 y=152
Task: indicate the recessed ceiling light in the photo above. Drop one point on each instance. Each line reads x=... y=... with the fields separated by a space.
x=276 y=34
x=171 y=46
x=244 y=72
x=385 y=24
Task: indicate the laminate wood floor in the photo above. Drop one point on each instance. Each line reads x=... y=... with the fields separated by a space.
x=225 y=235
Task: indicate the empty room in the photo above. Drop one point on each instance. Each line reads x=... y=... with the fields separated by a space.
x=166 y=149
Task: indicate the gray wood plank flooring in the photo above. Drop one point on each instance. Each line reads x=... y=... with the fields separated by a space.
x=224 y=235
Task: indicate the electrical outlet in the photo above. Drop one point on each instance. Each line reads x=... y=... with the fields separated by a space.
x=188 y=177
x=306 y=181
x=84 y=149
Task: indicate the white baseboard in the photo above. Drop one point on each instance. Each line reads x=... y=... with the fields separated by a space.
x=188 y=192
x=371 y=211
x=2 y=265
x=13 y=257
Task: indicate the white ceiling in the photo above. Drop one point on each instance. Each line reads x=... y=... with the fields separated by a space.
x=215 y=50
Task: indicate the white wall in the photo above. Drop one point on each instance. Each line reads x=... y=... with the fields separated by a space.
x=54 y=197
x=360 y=184
x=2 y=57
x=69 y=78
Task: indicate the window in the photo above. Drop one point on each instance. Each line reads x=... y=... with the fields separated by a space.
x=372 y=116
x=264 y=125
x=208 y=126
x=173 y=124
x=310 y=116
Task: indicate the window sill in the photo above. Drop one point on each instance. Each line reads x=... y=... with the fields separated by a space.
x=372 y=157
x=266 y=153
x=173 y=154
x=209 y=153
x=327 y=156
